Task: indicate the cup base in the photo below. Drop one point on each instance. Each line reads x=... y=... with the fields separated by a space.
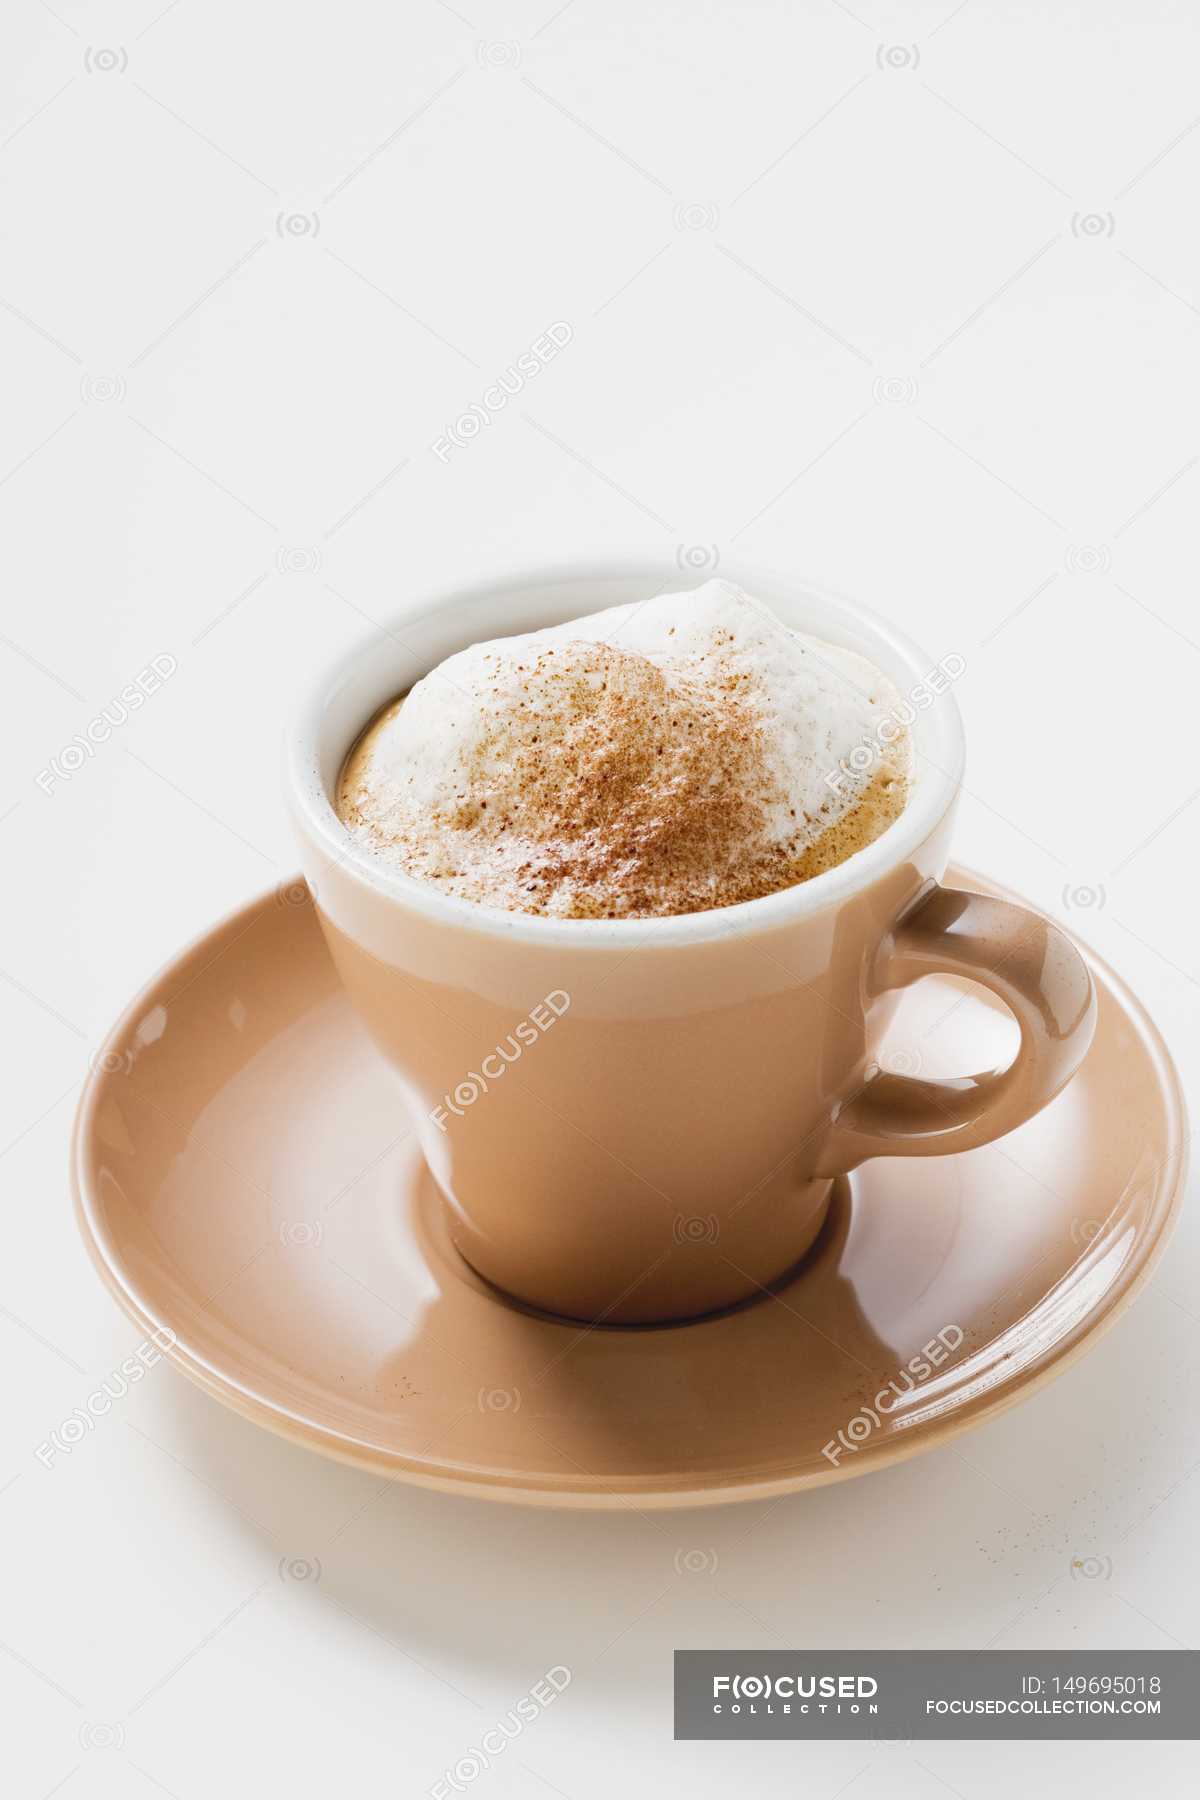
x=694 y=1282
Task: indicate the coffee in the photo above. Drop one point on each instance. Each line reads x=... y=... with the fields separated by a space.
x=686 y=752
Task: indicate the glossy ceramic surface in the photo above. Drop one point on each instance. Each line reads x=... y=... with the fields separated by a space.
x=244 y=1181
x=672 y=1147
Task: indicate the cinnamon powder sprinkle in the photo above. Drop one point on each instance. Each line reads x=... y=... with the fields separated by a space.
x=616 y=787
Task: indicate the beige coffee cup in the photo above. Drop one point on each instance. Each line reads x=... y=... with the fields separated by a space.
x=641 y=1120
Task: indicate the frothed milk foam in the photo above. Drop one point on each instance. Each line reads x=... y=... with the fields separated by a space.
x=685 y=752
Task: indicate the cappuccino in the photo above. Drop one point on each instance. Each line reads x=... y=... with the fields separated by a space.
x=685 y=752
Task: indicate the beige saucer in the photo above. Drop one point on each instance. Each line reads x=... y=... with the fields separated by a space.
x=245 y=1179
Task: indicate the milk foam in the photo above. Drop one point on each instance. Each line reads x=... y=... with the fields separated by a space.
x=660 y=757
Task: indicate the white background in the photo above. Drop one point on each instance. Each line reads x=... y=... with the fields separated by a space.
x=903 y=296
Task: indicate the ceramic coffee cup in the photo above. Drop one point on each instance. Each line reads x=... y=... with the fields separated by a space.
x=641 y=1120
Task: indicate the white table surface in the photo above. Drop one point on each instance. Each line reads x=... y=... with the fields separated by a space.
x=903 y=295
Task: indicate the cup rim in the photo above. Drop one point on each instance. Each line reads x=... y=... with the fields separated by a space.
x=935 y=789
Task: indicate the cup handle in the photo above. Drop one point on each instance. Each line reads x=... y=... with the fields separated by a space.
x=1029 y=964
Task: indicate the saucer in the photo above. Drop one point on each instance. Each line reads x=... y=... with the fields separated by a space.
x=246 y=1180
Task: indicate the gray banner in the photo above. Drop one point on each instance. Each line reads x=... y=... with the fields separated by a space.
x=897 y=1696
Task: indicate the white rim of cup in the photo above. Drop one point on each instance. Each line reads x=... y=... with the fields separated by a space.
x=938 y=740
